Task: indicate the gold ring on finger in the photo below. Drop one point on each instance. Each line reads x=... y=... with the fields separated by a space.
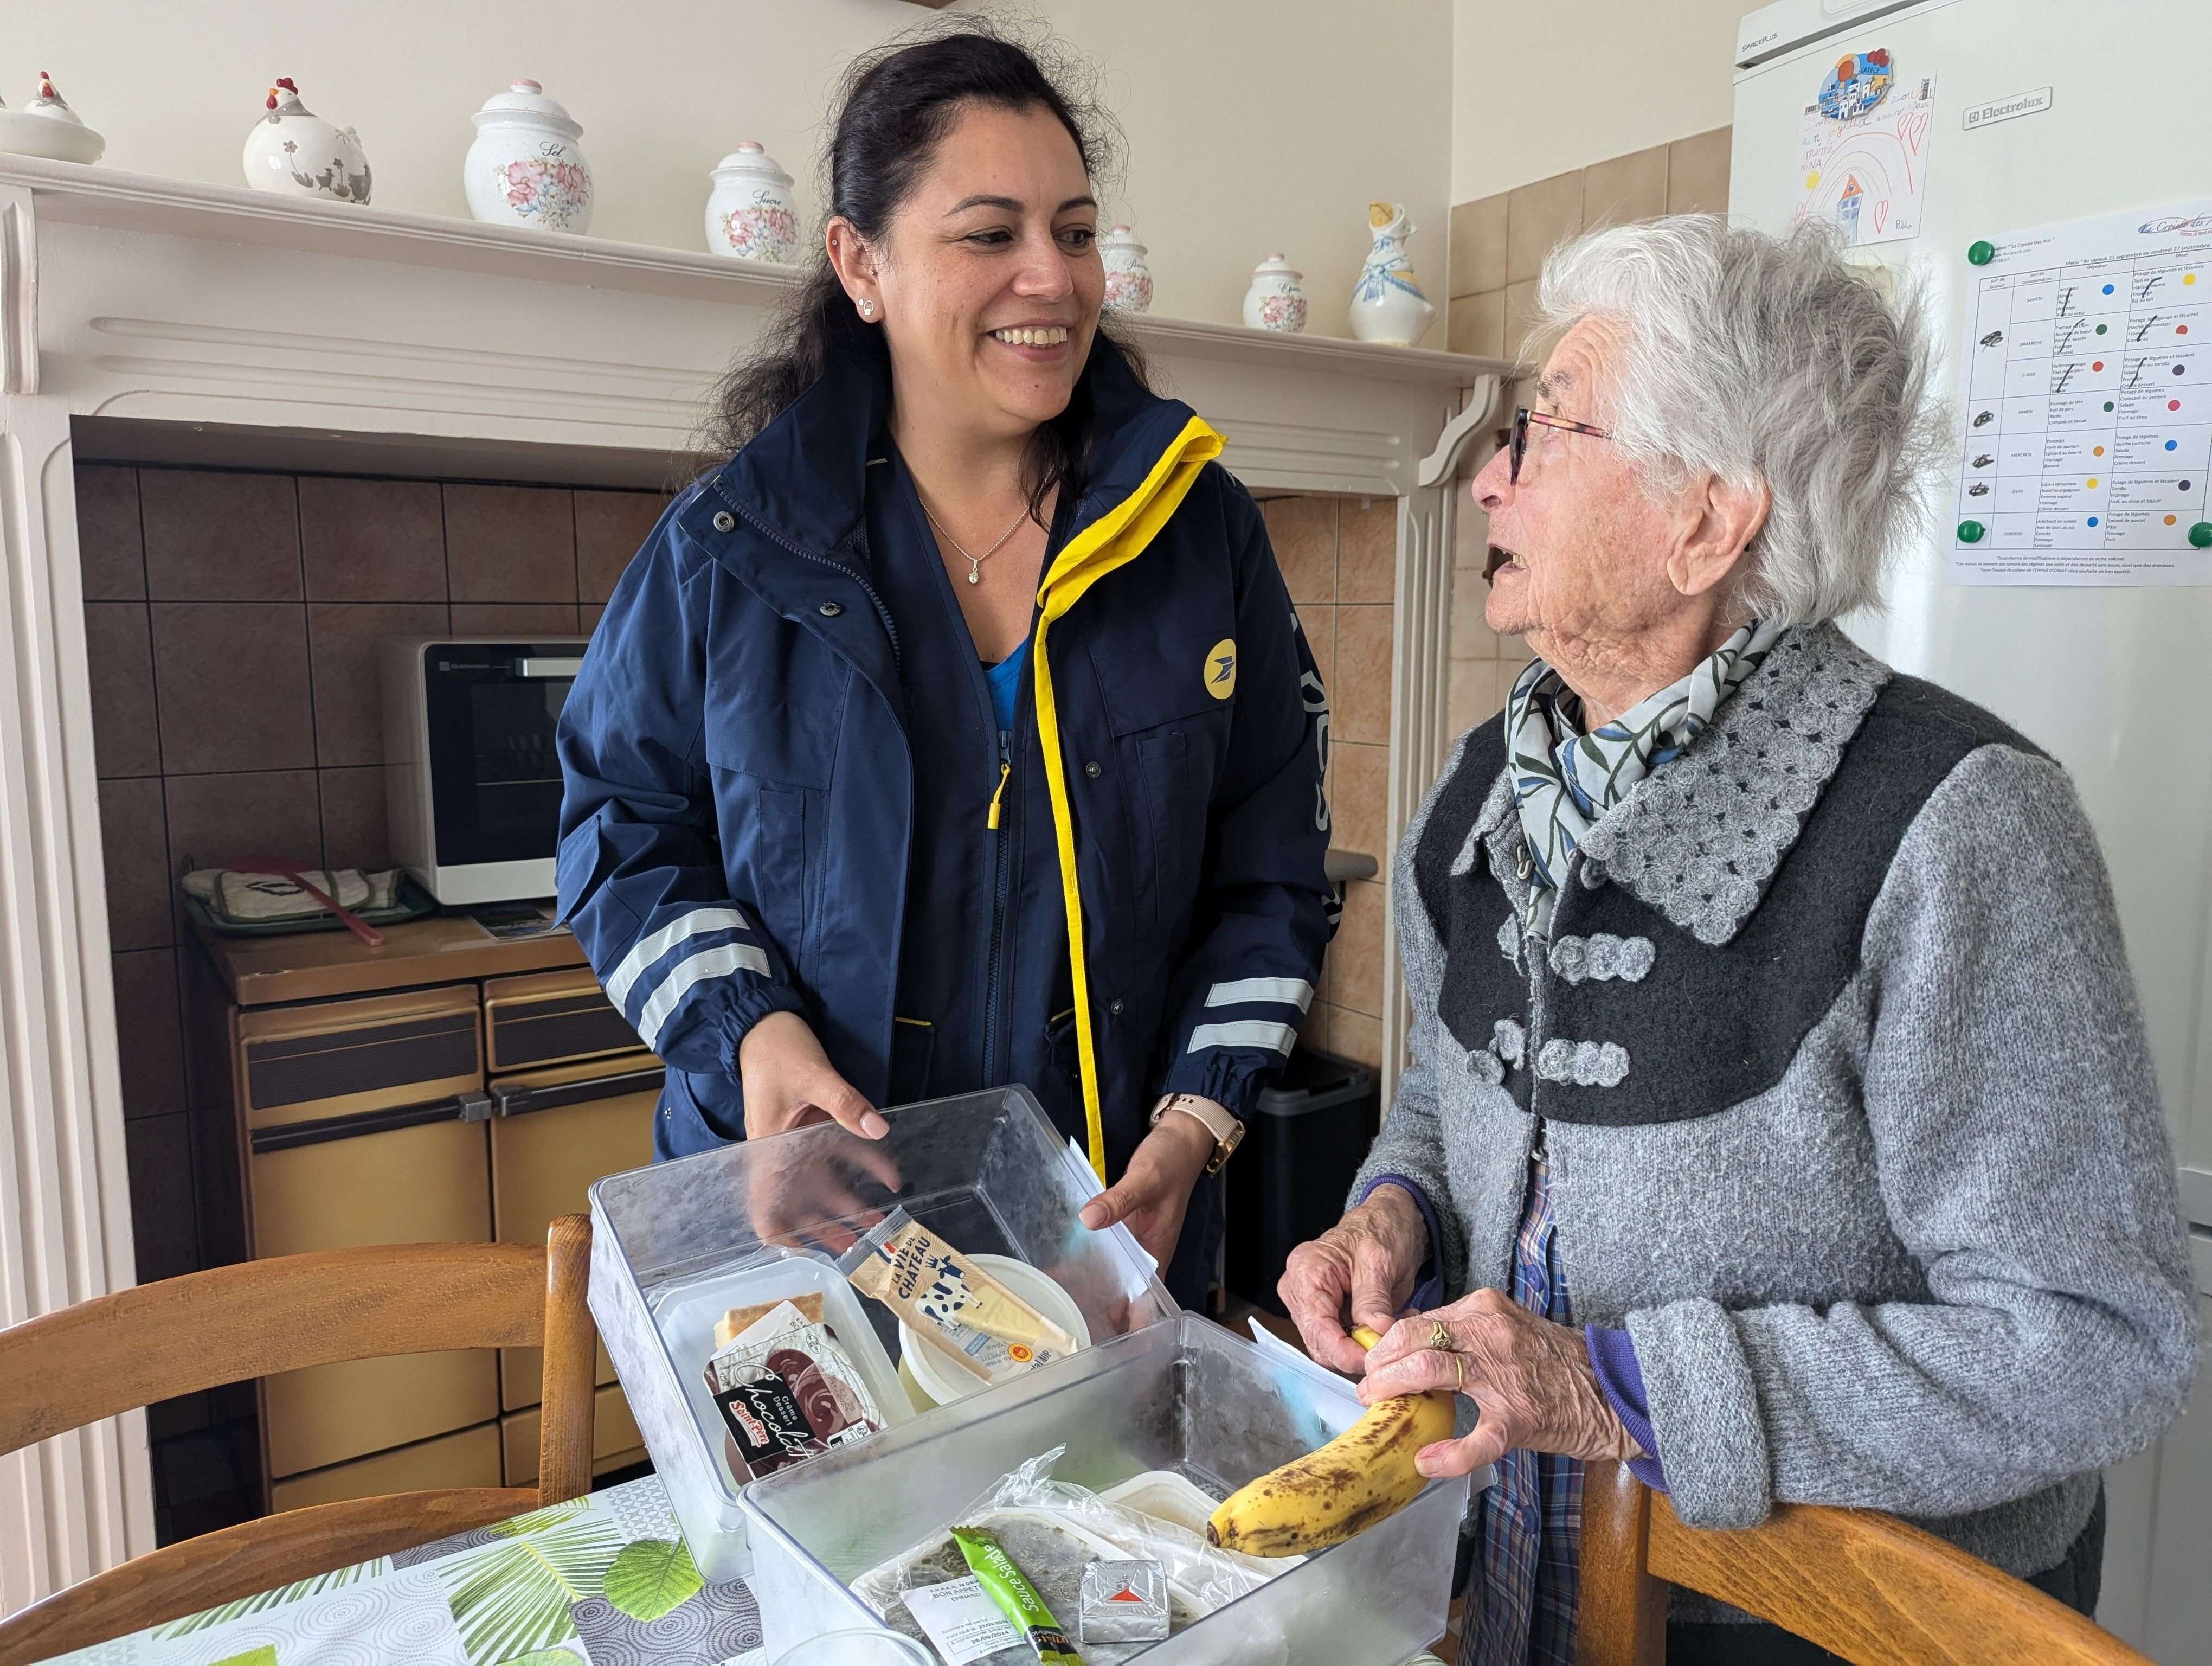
x=1440 y=1336
x=1459 y=1367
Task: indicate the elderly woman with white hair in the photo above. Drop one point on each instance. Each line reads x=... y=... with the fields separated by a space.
x=1779 y=1109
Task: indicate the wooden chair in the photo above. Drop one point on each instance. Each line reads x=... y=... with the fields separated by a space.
x=64 y=1370
x=1860 y=1583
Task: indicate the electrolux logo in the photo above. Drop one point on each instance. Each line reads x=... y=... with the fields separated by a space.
x=2184 y=225
x=2004 y=109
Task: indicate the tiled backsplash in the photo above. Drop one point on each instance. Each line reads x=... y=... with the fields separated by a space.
x=231 y=622
x=1498 y=248
x=1339 y=559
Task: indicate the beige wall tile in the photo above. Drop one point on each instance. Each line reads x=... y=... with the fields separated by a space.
x=1360 y=700
x=1367 y=550
x=233 y=680
x=1355 y=959
x=1359 y=795
x=1355 y=1036
x=1469 y=686
x=120 y=658
x=1313 y=1034
x=1303 y=531
x=1537 y=216
x=1472 y=637
x=1478 y=324
x=1624 y=188
x=108 y=545
x=1318 y=621
x=1524 y=340
x=609 y=527
x=214 y=536
x=1698 y=174
x=1478 y=244
x=371 y=540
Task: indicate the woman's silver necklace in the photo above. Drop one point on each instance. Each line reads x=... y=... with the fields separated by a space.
x=975 y=563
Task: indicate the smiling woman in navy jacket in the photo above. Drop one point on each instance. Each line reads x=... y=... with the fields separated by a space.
x=958 y=731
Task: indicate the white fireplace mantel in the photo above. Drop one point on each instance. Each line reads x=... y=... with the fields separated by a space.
x=126 y=296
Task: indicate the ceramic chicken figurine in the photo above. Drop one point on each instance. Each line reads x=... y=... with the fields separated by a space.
x=47 y=126
x=294 y=150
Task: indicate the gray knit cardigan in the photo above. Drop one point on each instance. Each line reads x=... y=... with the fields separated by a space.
x=1851 y=1116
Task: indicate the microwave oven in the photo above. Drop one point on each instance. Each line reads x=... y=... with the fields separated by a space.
x=472 y=786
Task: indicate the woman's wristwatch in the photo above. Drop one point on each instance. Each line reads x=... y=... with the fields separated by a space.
x=1226 y=1130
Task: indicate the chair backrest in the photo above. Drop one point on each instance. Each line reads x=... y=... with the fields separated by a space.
x=1862 y=1585
x=62 y=1371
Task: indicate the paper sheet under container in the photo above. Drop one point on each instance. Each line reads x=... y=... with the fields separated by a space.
x=675 y=1243
x=1186 y=1397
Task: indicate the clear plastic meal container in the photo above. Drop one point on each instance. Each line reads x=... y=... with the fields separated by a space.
x=676 y=1245
x=1187 y=1398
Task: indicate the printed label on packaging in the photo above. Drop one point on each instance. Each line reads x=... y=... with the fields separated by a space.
x=961 y=1619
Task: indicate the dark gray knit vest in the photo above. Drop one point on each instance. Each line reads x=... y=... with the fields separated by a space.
x=1631 y=1019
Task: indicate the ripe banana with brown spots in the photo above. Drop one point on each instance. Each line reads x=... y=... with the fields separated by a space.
x=1364 y=1475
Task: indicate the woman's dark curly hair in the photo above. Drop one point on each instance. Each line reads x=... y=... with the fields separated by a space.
x=896 y=105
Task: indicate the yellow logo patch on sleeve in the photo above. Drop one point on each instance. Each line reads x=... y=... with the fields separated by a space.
x=1220 y=672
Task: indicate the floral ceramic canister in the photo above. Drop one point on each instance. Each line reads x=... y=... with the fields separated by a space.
x=751 y=214
x=294 y=150
x=526 y=167
x=1387 y=303
x=1129 y=281
x=1275 y=301
x=48 y=127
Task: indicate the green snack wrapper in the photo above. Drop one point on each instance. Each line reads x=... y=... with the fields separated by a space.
x=1016 y=1597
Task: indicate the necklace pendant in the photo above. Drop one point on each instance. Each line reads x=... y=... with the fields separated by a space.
x=974 y=577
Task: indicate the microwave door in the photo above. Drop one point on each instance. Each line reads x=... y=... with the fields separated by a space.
x=496 y=780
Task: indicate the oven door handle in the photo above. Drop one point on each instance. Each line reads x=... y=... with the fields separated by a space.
x=470 y=1107
x=529 y=667
x=513 y=1099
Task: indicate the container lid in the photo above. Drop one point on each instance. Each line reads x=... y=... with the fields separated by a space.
x=750 y=158
x=944 y=1383
x=1274 y=266
x=525 y=100
x=1119 y=236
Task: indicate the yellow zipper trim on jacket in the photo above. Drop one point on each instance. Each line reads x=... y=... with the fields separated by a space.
x=1114 y=540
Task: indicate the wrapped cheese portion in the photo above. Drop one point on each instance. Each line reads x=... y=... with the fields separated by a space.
x=943 y=1296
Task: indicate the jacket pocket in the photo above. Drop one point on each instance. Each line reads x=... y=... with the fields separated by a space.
x=914 y=1044
x=1175 y=812
x=780 y=859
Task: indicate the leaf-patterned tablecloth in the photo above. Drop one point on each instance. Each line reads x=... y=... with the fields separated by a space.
x=603 y=1579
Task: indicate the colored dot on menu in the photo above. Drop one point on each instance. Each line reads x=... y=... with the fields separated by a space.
x=2171 y=404
x=2173 y=445
x=2092 y=520
x=2108 y=405
x=2108 y=289
x=2093 y=483
x=2179 y=370
x=2189 y=277
x=2101 y=329
x=2184 y=486
x=2098 y=365
x=2170 y=520
x=2096 y=451
x=2181 y=329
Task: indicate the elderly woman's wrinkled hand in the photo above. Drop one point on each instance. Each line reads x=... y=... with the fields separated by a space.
x=1367 y=1260
x=1530 y=1379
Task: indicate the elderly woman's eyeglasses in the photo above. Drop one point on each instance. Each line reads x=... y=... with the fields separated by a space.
x=1523 y=418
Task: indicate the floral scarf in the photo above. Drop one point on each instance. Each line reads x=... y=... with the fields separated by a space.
x=1564 y=781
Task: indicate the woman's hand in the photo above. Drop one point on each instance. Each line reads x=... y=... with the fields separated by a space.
x=1153 y=1194
x=1530 y=1380
x=1368 y=1259
x=785 y=1073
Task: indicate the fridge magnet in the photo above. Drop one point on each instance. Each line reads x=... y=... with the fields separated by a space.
x=1858 y=82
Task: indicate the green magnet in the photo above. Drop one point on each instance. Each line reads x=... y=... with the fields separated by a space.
x=1970 y=532
x=1982 y=251
x=2201 y=534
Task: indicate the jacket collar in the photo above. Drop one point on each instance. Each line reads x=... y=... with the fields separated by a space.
x=1702 y=839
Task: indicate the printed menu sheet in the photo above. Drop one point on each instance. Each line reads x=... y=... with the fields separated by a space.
x=2086 y=403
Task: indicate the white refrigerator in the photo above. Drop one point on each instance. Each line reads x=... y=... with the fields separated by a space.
x=1935 y=133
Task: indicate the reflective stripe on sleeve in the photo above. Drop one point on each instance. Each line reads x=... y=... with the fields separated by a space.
x=647 y=950
x=1249 y=1032
x=708 y=963
x=1290 y=991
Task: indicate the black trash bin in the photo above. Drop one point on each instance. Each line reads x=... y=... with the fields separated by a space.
x=1308 y=1135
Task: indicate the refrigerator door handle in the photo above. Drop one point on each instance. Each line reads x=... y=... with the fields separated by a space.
x=461 y=1107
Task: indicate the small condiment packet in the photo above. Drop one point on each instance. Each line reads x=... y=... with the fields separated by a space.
x=960 y=1619
x=1124 y=1602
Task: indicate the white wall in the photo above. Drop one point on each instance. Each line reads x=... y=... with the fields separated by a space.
x=1540 y=89
x=1253 y=125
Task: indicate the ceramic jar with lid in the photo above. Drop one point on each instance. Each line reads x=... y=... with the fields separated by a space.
x=751 y=214
x=1275 y=301
x=48 y=127
x=527 y=166
x=1129 y=281
x=293 y=150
